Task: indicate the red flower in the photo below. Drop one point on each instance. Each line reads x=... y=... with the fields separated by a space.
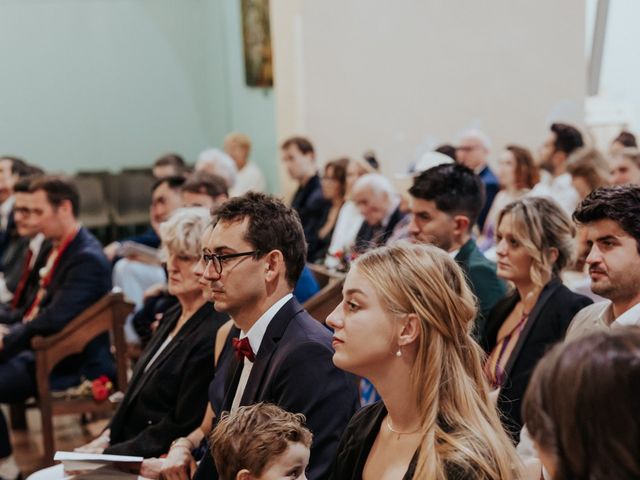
x=104 y=379
x=100 y=392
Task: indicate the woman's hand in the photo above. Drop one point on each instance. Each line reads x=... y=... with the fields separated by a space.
x=151 y=468
x=179 y=464
x=97 y=445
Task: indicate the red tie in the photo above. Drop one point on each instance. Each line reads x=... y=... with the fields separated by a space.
x=26 y=270
x=243 y=349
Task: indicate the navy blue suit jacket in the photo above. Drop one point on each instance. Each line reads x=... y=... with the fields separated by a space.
x=294 y=369
x=311 y=205
x=491 y=187
x=82 y=277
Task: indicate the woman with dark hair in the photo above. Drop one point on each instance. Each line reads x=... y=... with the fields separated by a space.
x=517 y=174
x=592 y=429
x=534 y=243
x=334 y=190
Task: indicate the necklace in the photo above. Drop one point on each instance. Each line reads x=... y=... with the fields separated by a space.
x=398 y=433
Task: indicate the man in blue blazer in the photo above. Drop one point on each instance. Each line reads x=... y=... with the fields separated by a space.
x=254 y=256
x=75 y=276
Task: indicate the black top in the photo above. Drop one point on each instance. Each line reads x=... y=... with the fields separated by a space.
x=168 y=400
x=372 y=236
x=547 y=324
x=358 y=440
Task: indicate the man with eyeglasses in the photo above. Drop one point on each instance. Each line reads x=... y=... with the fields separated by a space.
x=36 y=255
x=473 y=152
x=253 y=257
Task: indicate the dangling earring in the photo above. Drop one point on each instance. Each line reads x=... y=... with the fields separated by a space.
x=399 y=353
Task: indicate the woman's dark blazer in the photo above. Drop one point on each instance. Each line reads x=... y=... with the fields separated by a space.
x=169 y=399
x=547 y=324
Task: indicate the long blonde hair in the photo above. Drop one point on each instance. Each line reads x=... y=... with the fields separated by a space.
x=461 y=425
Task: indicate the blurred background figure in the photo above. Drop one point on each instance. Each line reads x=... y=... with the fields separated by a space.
x=589 y=170
x=625 y=167
x=216 y=162
x=249 y=176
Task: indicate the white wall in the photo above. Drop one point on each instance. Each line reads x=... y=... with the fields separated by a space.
x=104 y=84
x=402 y=76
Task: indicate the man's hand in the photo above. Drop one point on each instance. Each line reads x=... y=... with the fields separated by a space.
x=179 y=464
x=111 y=249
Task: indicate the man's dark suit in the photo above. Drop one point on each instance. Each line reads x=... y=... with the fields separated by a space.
x=13 y=250
x=310 y=204
x=294 y=369
x=374 y=236
x=491 y=187
x=82 y=277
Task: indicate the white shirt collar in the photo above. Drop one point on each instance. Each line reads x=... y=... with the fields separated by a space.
x=257 y=331
x=629 y=318
x=453 y=254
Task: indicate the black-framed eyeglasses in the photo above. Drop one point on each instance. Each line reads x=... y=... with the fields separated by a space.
x=218 y=260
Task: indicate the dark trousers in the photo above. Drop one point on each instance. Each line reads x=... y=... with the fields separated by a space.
x=17 y=383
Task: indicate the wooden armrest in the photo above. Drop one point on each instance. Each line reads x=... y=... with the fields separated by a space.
x=109 y=300
x=107 y=314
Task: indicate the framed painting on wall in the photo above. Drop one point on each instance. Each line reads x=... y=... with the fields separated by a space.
x=256 y=31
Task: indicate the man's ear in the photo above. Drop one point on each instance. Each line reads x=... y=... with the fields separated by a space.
x=409 y=330
x=274 y=264
x=461 y=224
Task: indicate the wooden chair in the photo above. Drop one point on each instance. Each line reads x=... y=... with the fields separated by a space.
x=106 y=315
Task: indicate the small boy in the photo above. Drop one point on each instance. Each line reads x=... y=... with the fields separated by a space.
x=261 y=442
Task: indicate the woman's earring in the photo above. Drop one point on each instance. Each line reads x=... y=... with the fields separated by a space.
x=399 y=353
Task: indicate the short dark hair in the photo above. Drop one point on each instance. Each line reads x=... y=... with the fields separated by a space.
x=448 y=150
x=171 y=159
x=454 y=188
x=207 y=183
x=603 y=369
x=620 y=203
x=272 y=226
x=58 y=189
x=303 y=144
x=24 y=183
x=626 y=139
x=175 y=182
x=568 y=138
x=18 y=166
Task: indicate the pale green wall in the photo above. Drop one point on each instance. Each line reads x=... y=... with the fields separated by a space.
x=103 y=84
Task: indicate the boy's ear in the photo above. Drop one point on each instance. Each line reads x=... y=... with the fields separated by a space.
x=244 y=474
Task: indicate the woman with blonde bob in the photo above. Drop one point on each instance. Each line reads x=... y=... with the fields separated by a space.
x=534 y=242
x=404 y=323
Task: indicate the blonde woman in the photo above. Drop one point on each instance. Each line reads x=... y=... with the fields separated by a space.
x=404 y=323
x=534 y=242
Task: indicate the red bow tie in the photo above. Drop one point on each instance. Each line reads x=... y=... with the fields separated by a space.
x=243 y=349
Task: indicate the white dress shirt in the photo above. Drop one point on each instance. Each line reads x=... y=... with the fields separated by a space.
x=250 y=178
x=255 y=336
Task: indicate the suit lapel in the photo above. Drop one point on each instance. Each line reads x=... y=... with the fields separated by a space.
x=546 y=293
x=273 y=334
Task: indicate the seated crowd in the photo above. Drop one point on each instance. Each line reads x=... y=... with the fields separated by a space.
x=466 y=344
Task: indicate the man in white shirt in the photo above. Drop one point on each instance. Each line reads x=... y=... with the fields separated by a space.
x=611 y=219
x=561 y=142
x=249 y=177
x=254 y=256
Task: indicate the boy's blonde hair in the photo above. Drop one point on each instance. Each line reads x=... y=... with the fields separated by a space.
x=251 y=436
